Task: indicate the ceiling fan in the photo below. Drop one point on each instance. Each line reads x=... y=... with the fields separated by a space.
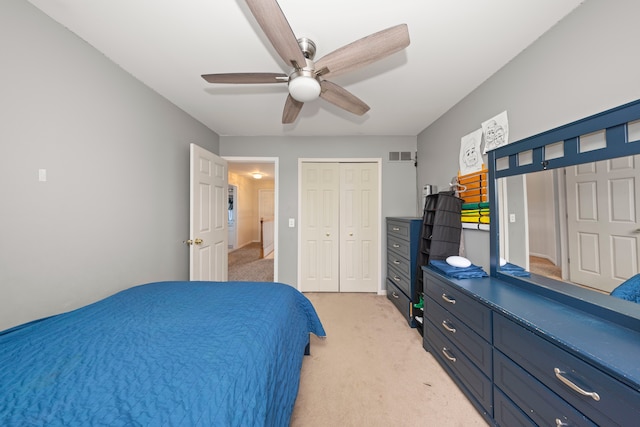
x=307 y=80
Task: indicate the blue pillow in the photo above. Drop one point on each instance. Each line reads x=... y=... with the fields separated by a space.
x=629 y=290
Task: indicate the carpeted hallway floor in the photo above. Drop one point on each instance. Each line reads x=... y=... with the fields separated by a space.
x=371 y=370
x=245 y=264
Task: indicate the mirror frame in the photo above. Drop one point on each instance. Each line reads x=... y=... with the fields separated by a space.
x=505 y=161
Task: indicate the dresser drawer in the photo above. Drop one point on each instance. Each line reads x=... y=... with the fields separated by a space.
x=400 y=300
x=398 y=246
x=611 y=402
x=398 y=278
x=473 y=345
x=542 y=405
x=507 y=414
x=452 y=358
x=465 y=308
x=399 y=263
x=399 y=229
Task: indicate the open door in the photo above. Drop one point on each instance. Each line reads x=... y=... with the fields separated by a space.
x=208 y=216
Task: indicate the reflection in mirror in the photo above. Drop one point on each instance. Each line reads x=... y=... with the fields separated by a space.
x=577 y=224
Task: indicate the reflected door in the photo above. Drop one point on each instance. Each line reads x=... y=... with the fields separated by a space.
x=603 y=202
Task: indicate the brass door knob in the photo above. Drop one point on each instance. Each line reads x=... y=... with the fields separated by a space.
x=197 y=241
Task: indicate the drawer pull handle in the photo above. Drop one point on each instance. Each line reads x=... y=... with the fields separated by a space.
x=396 y=229
x=393 y=294
x=445 y=351
x=447 y=327
x=595 y=396
x=396 y=262
x=449 y=300
x=396 y=278
x=395 y=245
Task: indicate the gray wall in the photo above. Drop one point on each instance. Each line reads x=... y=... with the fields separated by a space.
x=586 y=64
x=114 y=210
x=398 y=179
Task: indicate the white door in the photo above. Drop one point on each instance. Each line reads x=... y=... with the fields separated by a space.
x=208 y=216
x=339 y=227
x=266 y=211
x=359 y=226
x=319 y=227
x=266 y=207
x=603 y=202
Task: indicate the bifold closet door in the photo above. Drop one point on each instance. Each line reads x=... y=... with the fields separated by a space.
x=319 y=227
x=339 y=227
x=359 y=227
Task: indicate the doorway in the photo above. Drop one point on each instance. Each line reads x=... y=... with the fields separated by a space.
x=249 y=179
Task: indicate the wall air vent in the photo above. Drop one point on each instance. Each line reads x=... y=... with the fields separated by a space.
x=400 y=156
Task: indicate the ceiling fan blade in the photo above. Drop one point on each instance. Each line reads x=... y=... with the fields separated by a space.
x=364 y=51
x=342 y=98
x=291 y=110
x=246 y=78
x=278 y=31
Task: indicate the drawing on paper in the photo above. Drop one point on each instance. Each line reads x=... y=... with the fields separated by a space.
x=470 y=157
x=496 y=132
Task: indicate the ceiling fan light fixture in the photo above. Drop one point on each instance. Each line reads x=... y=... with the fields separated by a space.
x=304 y=88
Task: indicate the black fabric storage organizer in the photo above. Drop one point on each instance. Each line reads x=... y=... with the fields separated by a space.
x=440 y=234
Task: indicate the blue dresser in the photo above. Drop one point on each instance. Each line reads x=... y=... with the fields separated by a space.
x=524 y=360
x=402 y=248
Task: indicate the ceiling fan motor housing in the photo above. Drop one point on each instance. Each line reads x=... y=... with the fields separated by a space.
x=308 y=47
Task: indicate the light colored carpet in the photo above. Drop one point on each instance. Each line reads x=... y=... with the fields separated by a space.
x=245 y=264
x=371 y=370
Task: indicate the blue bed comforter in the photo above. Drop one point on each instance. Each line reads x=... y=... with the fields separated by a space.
x=161 y=354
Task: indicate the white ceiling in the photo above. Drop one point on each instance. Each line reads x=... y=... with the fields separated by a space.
x=455 y=46
x=247 y=168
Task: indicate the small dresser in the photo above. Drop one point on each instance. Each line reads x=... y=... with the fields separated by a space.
x=402 y=247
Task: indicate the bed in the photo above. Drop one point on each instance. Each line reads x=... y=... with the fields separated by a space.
x=161 y=354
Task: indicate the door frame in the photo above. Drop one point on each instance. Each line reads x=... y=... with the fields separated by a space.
x=378 y=161
x=276 y=198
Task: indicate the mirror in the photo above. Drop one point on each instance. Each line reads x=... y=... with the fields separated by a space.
x=577 y=224
x=565 y=206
